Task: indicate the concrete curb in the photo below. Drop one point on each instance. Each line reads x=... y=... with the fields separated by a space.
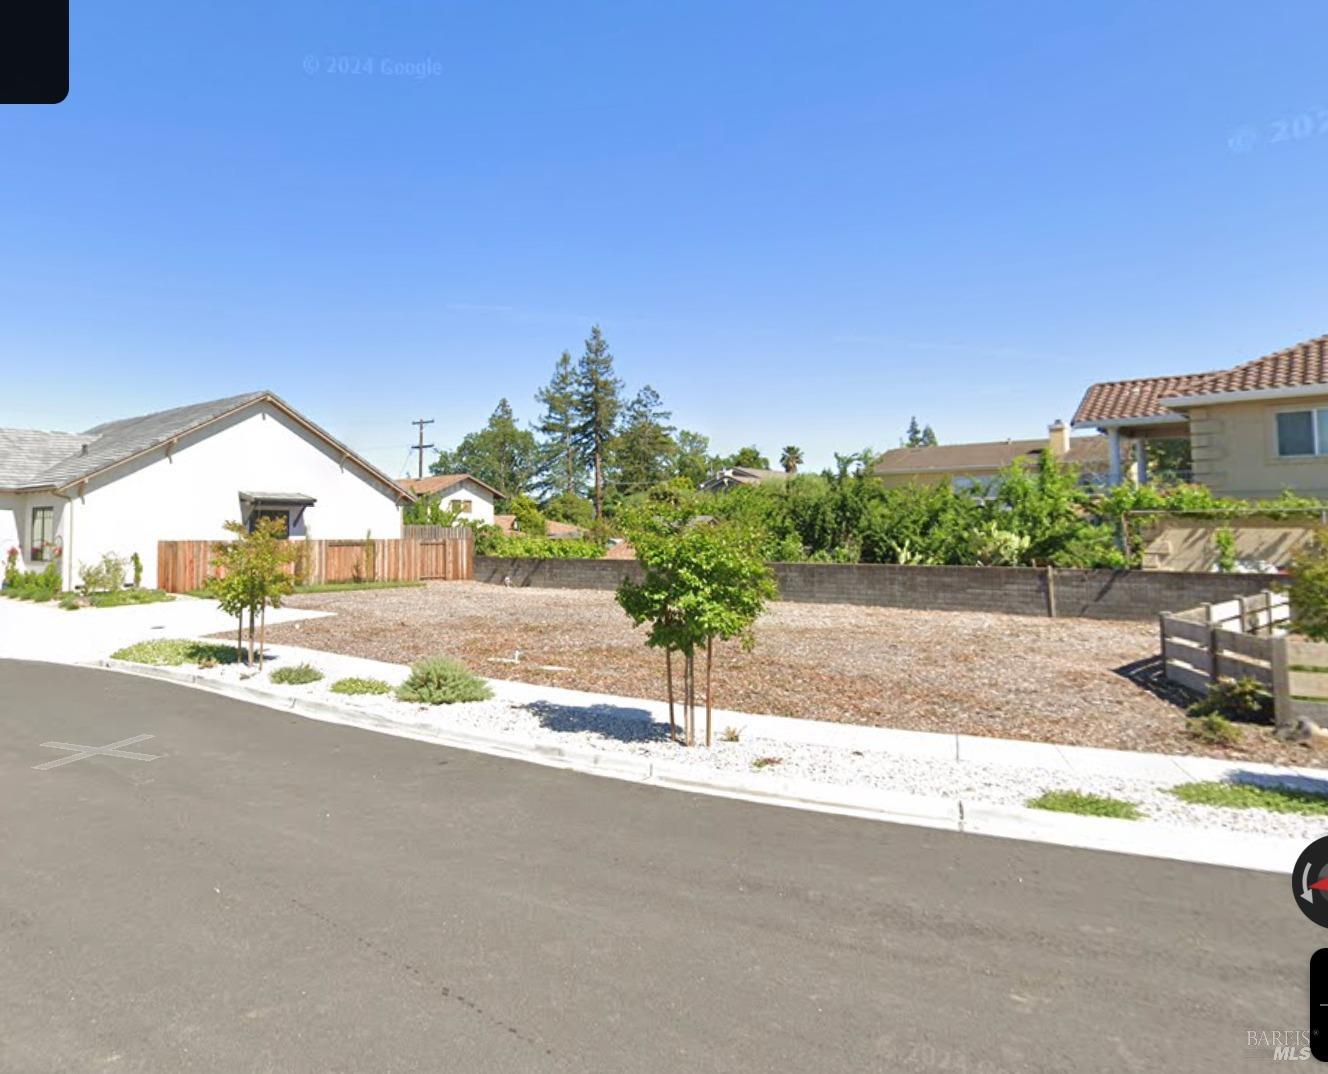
x=1236 y=850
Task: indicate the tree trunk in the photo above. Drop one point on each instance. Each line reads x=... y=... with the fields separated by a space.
x=689 y=703
x=262 y=641
x=239 y=638
x=710 y=649
x=668 y=669
x=599 y=486
x=250 y=661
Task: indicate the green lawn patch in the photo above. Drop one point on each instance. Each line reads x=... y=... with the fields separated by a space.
x=119 y=597
x=1251 y=796
x=361 y=686
x=1086 y=805
x=172 y=652
x=297 y=675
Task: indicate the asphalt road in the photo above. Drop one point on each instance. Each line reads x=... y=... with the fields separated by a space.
x=276 y=894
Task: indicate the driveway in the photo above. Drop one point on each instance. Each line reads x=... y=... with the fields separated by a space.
x=47 y=632
x=276 y=894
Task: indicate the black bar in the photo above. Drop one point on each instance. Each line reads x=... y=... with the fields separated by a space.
x=34 y=51
x=1319 y=1005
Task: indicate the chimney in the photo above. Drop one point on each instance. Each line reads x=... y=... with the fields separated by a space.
x=1059 y=438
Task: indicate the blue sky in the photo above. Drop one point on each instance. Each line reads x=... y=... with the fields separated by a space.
x=800 y=223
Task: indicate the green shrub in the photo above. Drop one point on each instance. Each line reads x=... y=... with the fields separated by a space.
x=491 y=541
x=361 y=686
x=119 y=597
x=440 y=680
x=1087 y=805
x=1224 y=543
x=35 y=585
x=106 y=576
x=1240 y=699
x=297 y=675
x=1275 y=799
x=1309 y=587
x=69 y=602
x=172 y=652
x=1213 y=728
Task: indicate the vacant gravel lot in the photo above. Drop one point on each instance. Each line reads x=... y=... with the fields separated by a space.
x=997 y=675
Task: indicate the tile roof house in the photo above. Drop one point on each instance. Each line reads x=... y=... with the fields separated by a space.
x=1254 y=429
x=473 y=498
x=976 y=465
x=179 y=474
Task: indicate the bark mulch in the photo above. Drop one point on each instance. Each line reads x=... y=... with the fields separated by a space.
x=1074 y=681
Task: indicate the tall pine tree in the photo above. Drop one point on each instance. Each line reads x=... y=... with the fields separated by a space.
x=597 y=400
x=561 y=464
x=643 y=449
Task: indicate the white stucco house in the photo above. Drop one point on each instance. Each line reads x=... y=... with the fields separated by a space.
x=472 y=498
x=179 y=475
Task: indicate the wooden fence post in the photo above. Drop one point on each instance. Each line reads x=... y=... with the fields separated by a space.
x=1282 y=716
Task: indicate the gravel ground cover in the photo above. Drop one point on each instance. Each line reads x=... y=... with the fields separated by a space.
x=608 y=729
x=1068 y=681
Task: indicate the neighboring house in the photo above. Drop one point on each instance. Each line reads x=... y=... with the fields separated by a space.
x=979 y=465
x=179 y=475
x=733 y=476
x=473 y=498
x=1254 y=429
x=552 y=528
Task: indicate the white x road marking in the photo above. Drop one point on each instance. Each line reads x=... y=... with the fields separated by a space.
x=80 y=752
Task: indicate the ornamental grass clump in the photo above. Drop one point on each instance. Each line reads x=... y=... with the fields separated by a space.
x=361 y=686
x=440 y=680
x=297 y=675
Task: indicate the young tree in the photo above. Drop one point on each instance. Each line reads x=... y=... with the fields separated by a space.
x=597 y=399
x=701 y=582
x=928 y=437
x=254 y=576
x=561 y=465
x=913 y=434
x=790 y=458
x=501 y=454
x=642 y=450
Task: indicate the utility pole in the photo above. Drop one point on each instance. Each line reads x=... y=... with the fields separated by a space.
x=421 y=447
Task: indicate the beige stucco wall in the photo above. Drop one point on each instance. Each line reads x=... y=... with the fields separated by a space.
x=932 y=477
x=1234 y=446
x=1187 y=544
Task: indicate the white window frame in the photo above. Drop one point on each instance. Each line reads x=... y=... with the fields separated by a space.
x=1320 y=449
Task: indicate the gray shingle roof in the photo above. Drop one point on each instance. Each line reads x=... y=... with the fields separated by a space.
x=25 y=453
x=112 y=442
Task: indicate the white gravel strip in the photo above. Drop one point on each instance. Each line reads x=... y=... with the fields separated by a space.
x=631 y=731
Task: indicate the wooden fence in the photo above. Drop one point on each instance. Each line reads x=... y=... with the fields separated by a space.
x=1247 y=638
x=183 y=566
x=435 y=533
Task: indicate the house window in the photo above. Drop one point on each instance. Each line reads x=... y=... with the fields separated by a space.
x=1302 y=433
x=270 y=512
x=464 y=506
x=42 y=533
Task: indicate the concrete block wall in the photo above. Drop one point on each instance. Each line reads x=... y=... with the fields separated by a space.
x=1098 y=594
